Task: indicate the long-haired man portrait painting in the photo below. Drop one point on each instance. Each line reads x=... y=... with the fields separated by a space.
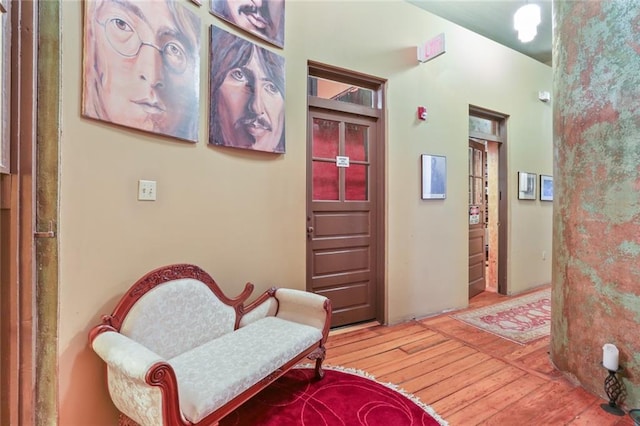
x=247 y=94
x=141 y=65
x=263 y=18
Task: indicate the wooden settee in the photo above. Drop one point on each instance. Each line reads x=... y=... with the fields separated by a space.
x=180 y=352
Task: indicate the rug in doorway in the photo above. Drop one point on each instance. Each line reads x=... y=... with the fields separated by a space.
x=342 y=397
x=521 y=319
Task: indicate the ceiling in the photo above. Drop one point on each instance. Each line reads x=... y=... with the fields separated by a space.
x=494 y=20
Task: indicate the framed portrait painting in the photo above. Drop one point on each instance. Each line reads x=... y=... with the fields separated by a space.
x=526 y=186
x=141 y=66
x=247 y=102
x=546 y=188
x=264 y=19
x=434 y=177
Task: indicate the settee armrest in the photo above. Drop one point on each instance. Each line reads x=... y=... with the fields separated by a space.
x=142 y=384
x=305 y=308
x=125 y=355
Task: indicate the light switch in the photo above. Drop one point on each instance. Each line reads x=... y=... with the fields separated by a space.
x=147 y=190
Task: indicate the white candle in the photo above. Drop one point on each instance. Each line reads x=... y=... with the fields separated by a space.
x=610 y=357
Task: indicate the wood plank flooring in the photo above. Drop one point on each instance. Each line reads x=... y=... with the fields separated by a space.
x=470 y=377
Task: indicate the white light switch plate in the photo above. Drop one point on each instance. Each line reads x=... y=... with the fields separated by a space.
x=147 y=190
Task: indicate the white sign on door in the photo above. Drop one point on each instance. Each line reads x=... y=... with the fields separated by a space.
x=342 y=161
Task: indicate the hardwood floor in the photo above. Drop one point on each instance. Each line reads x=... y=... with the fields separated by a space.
x=470 y=377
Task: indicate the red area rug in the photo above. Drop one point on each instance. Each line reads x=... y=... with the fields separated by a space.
x=521 y=319
x=341 y=398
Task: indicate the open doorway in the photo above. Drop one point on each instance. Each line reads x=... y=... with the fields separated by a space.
x=488 y=134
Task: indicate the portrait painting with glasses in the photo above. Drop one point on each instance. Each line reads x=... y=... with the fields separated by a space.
x=142 y=65
x=247 y=94
x=263 y=18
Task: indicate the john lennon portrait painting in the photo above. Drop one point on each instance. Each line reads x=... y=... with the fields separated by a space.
x=247 y=94
x=141 y=65
x=263 y=18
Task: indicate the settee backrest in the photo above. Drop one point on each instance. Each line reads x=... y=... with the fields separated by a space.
x=177 y=316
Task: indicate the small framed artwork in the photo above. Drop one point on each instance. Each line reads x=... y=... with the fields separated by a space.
x=546 y=188
x=434 y=177
x=527 y=186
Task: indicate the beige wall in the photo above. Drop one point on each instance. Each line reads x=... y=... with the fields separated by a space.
x=241 y=215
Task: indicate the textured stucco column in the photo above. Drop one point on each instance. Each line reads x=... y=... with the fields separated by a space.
x=596 y=221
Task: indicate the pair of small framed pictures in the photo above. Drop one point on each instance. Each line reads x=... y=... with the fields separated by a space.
x=527 y=186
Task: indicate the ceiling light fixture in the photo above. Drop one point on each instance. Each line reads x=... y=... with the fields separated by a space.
x=526 y=21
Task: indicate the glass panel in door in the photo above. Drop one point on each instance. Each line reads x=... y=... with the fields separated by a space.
x=357 y=174
x=326 y=145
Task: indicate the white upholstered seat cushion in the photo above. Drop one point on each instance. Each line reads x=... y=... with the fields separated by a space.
x=212 y=374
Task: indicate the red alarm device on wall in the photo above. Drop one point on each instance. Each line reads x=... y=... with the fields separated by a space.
x=422 y=113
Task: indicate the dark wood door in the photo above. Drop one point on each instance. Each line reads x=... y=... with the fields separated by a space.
x=341 y=213
x=477 y=214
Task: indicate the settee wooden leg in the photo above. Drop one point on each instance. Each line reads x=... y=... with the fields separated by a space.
x=319 y=370
x=319 y=355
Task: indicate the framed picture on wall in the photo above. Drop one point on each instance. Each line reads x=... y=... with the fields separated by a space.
x=527 y=186
x=546 y=188
x=247 y=102
x=434 y=177
x=141 y=66
x=264 y=19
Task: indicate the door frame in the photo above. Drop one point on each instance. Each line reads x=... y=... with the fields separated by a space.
x=46 y=212
x=503 y=187
x=378 y=85
x=29 y=252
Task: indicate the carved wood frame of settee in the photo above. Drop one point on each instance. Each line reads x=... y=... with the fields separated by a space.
x=162 y=375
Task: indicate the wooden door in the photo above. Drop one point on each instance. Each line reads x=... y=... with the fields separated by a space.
x=22 y=351
x=477 y=215
x=341 y=213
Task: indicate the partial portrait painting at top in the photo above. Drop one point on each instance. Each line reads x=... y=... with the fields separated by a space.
x=247 y=103
x=141 y=65
x=262 y=18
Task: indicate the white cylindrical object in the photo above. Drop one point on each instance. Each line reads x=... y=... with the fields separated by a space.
x=610 y=356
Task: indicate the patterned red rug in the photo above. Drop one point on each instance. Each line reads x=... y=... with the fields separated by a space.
x=341 y=398
x=521 y=319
